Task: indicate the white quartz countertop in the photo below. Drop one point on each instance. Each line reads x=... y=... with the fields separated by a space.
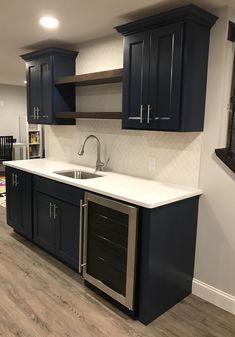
x=138 y=191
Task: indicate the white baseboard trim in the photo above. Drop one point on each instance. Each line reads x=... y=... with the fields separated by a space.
x=214 y=296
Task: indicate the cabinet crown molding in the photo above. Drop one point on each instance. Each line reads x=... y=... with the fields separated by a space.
x=185 y=13
x=48 y=51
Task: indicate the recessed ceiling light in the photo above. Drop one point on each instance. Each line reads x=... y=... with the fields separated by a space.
x=49 y=22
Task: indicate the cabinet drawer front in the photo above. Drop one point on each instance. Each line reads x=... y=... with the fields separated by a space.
x=60 y=191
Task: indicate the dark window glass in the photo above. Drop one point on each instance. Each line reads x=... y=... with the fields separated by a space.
x=231 y=124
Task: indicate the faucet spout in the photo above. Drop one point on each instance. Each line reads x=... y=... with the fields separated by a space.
x=99 y=163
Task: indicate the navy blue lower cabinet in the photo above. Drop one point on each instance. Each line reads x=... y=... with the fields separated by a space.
x=19 y=201
x=164 y=245
x=67 y=232
x=57 y=219
x=44 y=222
x=12 y=198
x=167 y=241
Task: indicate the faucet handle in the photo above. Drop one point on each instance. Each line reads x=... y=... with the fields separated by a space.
x=100 y=165
x=106 y=163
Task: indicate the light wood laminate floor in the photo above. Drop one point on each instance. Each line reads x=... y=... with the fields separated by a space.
x=40 y=297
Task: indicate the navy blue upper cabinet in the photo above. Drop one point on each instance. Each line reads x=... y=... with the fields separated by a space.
x=165 y=70
x=44 y=99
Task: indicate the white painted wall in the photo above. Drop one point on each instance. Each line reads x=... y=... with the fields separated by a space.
x=177 y=154
x=12 y=106
x=215 y=254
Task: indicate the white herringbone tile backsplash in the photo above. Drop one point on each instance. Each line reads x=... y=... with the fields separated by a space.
x=177 y=154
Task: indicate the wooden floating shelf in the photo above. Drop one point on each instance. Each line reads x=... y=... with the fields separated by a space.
x=101 y=77
x=89 y=115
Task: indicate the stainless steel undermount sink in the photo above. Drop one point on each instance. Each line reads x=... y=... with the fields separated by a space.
x=77 y=174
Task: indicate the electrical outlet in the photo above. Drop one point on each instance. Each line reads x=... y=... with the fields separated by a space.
x=152 y=163
x=1 y=104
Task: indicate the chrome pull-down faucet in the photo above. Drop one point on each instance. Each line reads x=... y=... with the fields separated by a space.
x=99 y=163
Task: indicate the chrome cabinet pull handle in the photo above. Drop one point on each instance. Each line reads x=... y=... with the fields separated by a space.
x=162 y=118
x=81 y=237
x=141 y=113
x=85 y=224
x=16 y=180
x=38 y=115
x=148 y=113
x=51 y=206
x=13 y=179
x=34 y=112
x=55 y=211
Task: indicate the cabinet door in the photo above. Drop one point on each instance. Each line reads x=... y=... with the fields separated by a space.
x=67 y=232
x=19 y=201
x=24 y=186
x=45 y=113
x=44 y=223
x=165 y=77
x=135 y=80
x=13 y=199
x=33 y=90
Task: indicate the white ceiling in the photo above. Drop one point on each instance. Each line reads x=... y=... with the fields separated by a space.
x=80 y=20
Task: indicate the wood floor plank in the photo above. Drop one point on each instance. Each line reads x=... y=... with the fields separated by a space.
x=40 y=297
